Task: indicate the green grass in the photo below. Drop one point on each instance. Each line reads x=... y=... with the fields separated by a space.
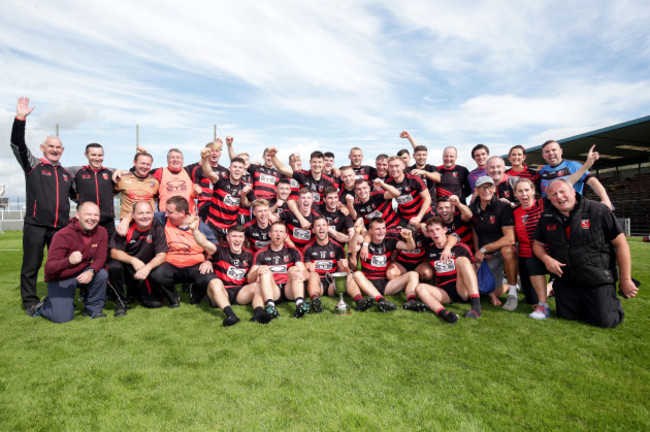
x=181 y=370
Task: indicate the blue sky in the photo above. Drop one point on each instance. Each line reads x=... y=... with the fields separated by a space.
x=303 y=75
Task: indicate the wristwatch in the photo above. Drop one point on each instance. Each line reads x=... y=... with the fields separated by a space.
x=483 y=250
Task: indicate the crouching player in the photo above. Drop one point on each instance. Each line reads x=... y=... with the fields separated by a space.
x=372 y=279
x=231 y=264
x=280 y=272
x=322 y=257
x=455 y=279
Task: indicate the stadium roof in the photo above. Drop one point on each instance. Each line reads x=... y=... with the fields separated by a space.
x=622 y=144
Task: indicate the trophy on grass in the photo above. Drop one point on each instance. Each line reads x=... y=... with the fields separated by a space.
x=341 y=308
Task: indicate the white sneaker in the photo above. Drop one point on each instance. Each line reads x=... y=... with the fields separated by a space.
x=540 y=312
x=511 y=303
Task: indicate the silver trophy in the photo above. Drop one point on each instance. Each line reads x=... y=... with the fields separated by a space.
x=341 y=308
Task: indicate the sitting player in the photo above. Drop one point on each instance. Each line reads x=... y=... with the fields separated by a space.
x=280 y=273
x=231 y=263
x=371 y=279
x=455 y=279
x=322 y=257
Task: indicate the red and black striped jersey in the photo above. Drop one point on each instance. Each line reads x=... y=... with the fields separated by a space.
x=264 y=180
x=378 y=259
x=377 y=206
x=462 y=229
x=341 y=223
x=279 y=262
x=409 y=201
x=430 y=185
x=295 y=185
x=343 y=193
x=526 y=173
x=414 y=256
x=281 y=208
x=206 y=187
x=445 y=271
x=365 y=172
x=226 y=201
x=454 y=181
x=307 y=180
x=230 y=267
x=299 y=236
x=325 y=258
x=525 y=223
x=257 y=237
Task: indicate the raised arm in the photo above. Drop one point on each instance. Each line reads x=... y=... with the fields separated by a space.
x=273 y=152
x=390 y=191
x=407 y=135
x=207 y=169
x=231 y=151
x=465 y=212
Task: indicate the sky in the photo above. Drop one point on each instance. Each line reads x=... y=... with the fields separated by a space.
x=312 y=75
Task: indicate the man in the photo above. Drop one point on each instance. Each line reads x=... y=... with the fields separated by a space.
x=313 y=179
x=282 y=197
x=377 y=204
x=229 y=193
x=457 y=218
x=264 y=178
x=494 y=239
x=231 y=264
x=413 y=201
x=428 y=173
x=298 y=220
x=480 y=154
x=372 y=279
x=323 y=256
x=559 y=168
x=405 y=156
x=365 y=172
x=201 y=180
x=135 y=185
x=93 y=183
x=188 y=242
x=281 y=273
x=175 y=180
x=328 y=167
x=453 y=178
x=76 y=257
x=504 y=188
x=135 y=257
x=340 y=224
x=455 y=278
x=348 y=178
x=257 y=231
x=48 y=187
x=381 y=167
x=580 y=242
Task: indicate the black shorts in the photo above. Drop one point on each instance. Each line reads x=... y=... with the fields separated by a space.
x=233 y=292
x=598 y=306
x=534 y=266
x=380 y=284
x=409 y=266
x=283 y=296
x=450 y=289
x=326 y=281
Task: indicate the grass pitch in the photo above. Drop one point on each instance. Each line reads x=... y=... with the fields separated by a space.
x=179 y=369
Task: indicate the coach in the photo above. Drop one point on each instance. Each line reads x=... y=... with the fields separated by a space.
x=49 y=186
x=584 y=243
x=76 y=258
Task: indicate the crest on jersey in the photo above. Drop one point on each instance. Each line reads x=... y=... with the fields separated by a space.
x=493 y=219
x=105 y=176
x=551 y=227
x=585 y=223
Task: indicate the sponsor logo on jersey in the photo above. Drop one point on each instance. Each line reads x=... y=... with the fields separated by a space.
x=301 y=234
x=278 y=268
x=323 y=265
x=267 y=179
x=231 y=200
x=236 y=273
x=403 y=199
x=176 y=185
x=443 y=267
x=379 y=261
x=262 y=243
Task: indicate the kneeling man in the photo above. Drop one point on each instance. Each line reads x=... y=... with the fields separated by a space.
x=76 y=257
x=580 y=242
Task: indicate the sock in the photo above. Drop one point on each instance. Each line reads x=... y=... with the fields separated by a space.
x=441 y=311
x=513 y=291
x=475 y=300
x=228 y=311
x=410 y=298
x=448 y=316
x=313 y=297
x=379 y=298
x=299 y=301
x=543 y=304
x=357 y=298
x=258 y=311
